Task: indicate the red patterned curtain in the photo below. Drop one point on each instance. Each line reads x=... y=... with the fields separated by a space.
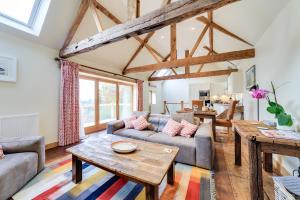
x=69 y=104
x=140 y=95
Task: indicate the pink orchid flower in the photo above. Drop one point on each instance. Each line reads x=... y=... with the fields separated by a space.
x=259 y=93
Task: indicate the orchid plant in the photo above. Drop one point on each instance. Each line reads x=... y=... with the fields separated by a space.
x=274 y=107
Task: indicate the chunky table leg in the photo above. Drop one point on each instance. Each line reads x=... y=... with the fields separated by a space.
x=151 y=192
x=76 y=169
x=171 y=174
x=268 y=162
x=255 y=171
x=237 y=148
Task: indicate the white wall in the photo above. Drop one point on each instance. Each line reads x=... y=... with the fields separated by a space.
x=37 y=86
x=278 y=59
x=188 y=89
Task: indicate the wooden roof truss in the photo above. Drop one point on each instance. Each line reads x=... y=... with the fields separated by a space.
x=168 y=15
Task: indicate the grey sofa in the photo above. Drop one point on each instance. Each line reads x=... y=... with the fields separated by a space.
x=197 y=151
x=24 y=158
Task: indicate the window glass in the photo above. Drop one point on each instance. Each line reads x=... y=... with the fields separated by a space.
x=107 y=102
x=18 y=10
x=125 y=102
x=87 y=102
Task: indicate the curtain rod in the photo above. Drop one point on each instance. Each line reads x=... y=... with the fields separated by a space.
x=93 y=68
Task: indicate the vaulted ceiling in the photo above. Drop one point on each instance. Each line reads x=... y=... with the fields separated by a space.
x=247 y=18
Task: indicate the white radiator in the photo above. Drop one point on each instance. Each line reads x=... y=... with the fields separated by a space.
x=19 y=125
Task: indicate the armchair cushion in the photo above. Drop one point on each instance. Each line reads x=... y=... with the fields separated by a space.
x=16 y=169
x=34 y=144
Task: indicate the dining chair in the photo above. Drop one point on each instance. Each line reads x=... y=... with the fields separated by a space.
x=226 y=122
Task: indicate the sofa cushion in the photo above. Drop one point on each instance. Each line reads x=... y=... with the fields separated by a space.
x=140 y=123
x=15 y=171
x=135 y=134
x=188 y=129
x=162 y=124
x=172 y=128
x=1 y=153
x=128 y=122
x=187 y=146
x=154 y=121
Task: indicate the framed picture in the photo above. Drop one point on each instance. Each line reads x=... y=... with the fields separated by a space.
x=251 y=77
x=8 y=69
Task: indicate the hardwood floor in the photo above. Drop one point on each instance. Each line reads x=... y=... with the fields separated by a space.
x=231 y=181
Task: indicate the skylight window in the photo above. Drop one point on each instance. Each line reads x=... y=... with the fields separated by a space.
x=19 y=11
x=25 y=15
x=163 y=72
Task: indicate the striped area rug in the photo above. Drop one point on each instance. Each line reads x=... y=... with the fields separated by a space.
x=55 y=182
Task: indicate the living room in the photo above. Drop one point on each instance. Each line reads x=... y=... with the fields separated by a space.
x=149 y=99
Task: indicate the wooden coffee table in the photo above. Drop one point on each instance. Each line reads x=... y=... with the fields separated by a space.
x=147 y=165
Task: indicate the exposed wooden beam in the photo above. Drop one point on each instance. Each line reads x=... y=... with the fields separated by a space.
x=200 y=68
x=108 y=14
x=211 y=30
x=149 y=35
x=196 y=45
x=234 y=55
x=138 y=8
x=165 y=2
x=96 y=17
x=80 y=14
x=214 y=52
x=173 y=42
x=172 y=13
x=132 y=9
x=194 y=75
x=202 y=65
x=152 y=74
x=187 y=67
x=163 y=60
x=222 y=29
x=174 y=71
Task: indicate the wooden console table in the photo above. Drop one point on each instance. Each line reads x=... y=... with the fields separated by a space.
x=258 y=143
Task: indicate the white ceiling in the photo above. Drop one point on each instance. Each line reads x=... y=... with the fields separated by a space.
x=247 y=18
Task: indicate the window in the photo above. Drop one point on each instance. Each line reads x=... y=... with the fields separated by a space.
x=102 y=101
x=125 y=102
x=25 y=15
x=107 y=101
x=87 y=102
x=152 y=97
x=163 y=72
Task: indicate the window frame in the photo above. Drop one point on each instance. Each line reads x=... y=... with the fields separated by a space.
x=101 y=126
x=32 y=18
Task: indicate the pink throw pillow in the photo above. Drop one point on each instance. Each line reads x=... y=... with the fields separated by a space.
x=188 y=129
x=1 y=153
x=128 y=122
x=172 y=128
x=140 y=123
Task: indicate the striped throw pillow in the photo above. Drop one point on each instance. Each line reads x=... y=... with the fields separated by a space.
x=172 y=128
x=128 y=122
x=1 y=153
x=140 y=123
x=188 y=129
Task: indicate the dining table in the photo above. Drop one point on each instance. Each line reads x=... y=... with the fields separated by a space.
x=208 y=114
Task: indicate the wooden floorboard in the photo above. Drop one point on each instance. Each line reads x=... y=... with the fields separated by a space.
x=231 y=181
